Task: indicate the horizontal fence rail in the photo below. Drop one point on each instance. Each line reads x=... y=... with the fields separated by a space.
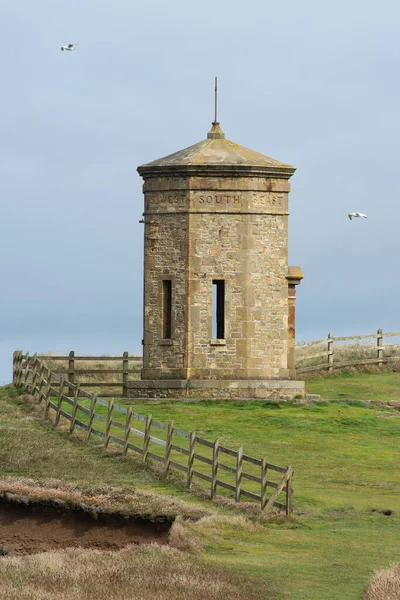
x=339 y=352
x=221 y=468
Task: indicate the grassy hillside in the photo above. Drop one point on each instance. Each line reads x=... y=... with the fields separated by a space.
x=342 y=454
x=345 y=460
x=362 y=384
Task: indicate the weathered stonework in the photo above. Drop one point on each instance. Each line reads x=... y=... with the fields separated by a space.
x=223 y=389
x=217 y=211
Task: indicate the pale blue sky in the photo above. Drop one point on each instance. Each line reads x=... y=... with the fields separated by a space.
x=309 y=83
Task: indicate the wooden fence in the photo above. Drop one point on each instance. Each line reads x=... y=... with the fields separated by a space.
x=194 y=456
x=334 y=352
x=337 y=353
x=126 y=364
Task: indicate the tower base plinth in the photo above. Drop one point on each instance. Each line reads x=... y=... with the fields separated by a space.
x=232 y=389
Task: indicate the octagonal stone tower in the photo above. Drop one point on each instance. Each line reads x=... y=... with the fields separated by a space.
x=218 y=294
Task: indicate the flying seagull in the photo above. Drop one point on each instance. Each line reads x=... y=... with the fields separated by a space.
x=70 y=47
x=357 y=214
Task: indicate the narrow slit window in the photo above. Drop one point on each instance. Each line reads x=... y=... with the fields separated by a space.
x=218 y=309
x=167 y=309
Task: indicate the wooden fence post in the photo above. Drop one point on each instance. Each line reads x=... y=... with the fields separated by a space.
x=125 y=367
x=91 y=417
x=59 y=403
x=214 y=469
x=239 y=469
x=189 y=477
x=289 y=492
x=167 y=459
x=280 y=487
x=33 y=383
x=15 y=366
x=48 y=386
x=330 y=351
x=74 y=409
x=27 y=360
x=127 y=430
x=21 y=373
x=379 y=344
x=15 y=354
x=146 y=439
x=263 y=482
x=35 y=373
x=108 y=424
x=41 y=383
x=46 y=411
x=71 y=369
x=18 y=369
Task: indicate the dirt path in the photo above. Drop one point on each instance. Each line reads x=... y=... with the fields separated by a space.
x=28 y=529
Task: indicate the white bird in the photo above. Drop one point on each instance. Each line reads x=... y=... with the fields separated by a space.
x=357 y=214
x=70 y=47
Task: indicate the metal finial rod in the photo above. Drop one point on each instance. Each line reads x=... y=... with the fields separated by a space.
x=216 y=100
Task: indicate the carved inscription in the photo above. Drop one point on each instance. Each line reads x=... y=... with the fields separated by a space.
x=234 y=200
x=165 y=200
x=269 y=199
x=215 y=200
x=227 y=199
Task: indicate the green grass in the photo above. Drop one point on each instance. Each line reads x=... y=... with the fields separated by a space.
x=311 y=558
x=321 y=441
x=345 y=457
x=342 y=454
x=357 y=386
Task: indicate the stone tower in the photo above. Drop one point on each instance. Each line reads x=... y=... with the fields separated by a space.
x=218 y=293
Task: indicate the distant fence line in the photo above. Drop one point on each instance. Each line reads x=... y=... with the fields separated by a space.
x=333 y=350
x=337 y=356
x=32 y=375
x=126 y=361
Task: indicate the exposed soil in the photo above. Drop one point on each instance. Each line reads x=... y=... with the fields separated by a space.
x=31 y=528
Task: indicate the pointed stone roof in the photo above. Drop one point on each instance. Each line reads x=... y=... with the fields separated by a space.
x=217 y=155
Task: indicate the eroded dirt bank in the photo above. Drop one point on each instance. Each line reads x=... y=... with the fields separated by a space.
x=28 y=528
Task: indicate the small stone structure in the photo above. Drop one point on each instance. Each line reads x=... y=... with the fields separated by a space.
x=219 y=297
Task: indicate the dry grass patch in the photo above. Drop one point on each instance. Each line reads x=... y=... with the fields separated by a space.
x=182 y=537
x=385 y=585
x=145 y=573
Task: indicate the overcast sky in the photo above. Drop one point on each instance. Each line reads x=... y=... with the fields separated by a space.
x=310 y=83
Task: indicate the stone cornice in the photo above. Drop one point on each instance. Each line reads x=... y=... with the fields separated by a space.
x=277 y=172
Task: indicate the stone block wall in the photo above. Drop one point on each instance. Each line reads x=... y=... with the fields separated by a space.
x=198 y=229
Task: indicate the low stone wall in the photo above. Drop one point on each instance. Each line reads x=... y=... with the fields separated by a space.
x=221 y=389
